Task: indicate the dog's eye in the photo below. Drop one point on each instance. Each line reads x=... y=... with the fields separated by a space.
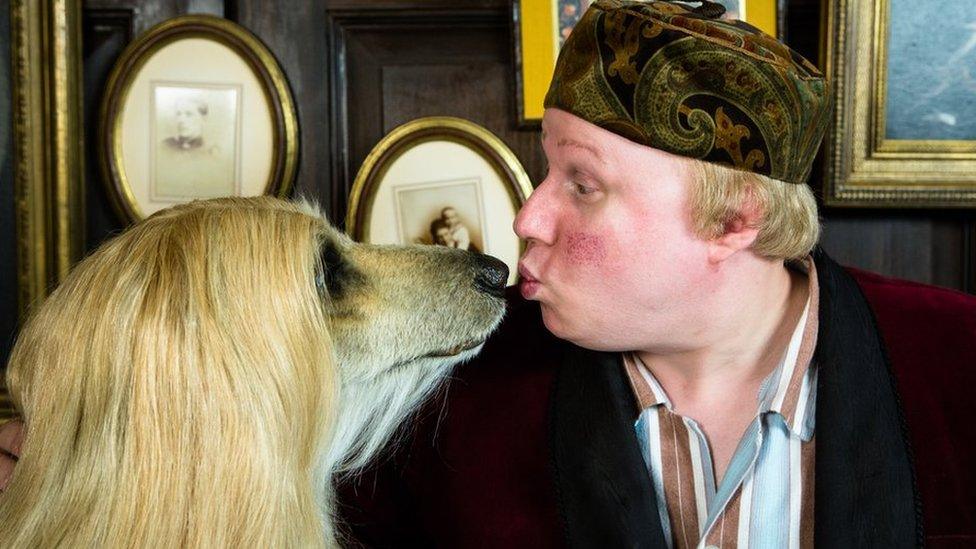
x=330 y=279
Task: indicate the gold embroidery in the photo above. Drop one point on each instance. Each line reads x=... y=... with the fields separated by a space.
x=728 y=137
x=624 y=39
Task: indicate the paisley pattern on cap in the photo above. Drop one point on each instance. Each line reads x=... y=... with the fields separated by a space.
x=716 y=90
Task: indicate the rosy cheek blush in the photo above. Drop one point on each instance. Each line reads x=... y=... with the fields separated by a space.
x=586 y=248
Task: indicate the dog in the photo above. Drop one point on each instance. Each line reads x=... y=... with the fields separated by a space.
x=200 y=378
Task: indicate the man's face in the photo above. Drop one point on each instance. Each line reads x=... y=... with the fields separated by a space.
x=451 y=217
x=610 y=254
x=189 y=121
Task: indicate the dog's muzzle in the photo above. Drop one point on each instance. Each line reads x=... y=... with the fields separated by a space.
x=492 y=275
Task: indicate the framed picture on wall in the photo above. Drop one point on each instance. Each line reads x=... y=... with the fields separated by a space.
x=440 y=181
x=905 y=131
x=196 y=108
x=540 y=27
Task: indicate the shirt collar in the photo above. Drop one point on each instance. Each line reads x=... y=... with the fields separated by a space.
x=790 y=390
x=647 y=390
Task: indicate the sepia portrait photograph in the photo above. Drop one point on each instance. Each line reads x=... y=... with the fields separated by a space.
x=447 y=213
x=195 y=142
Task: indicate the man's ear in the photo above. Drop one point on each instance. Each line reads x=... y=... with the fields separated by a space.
x=738 y=233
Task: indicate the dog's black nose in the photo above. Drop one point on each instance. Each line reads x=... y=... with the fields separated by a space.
x=492 y=275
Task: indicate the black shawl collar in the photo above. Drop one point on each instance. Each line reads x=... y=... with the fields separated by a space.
x=865 y=492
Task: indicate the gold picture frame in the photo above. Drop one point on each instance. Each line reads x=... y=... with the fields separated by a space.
x=540 y=26
x=197 y=107
x=428 y=166
x=45 y=46
x=872 y=159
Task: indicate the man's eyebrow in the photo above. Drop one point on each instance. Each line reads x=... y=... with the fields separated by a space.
x=565 y=142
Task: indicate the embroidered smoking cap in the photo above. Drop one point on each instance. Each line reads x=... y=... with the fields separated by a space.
x=673 y=77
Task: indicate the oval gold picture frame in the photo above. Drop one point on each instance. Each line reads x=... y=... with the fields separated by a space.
x=426 y=182
x=245 y=45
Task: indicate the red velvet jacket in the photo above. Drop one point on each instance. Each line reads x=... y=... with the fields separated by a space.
x=532 y=444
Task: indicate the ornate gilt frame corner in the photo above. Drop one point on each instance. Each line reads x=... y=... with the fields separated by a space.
x=48 y=150
x=862 y=168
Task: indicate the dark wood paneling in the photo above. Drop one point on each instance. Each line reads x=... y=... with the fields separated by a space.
x=916 y=246
x=295 y=32
x=392 y=66
x=105 y=33
x=416 y=5
x=147 y=13
x=8 y=236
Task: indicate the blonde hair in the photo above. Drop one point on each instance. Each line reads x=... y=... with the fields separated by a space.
x=789 y=227
x=176 y=388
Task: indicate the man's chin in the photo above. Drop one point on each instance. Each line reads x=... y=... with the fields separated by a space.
x=555 y=323
x=580 y=333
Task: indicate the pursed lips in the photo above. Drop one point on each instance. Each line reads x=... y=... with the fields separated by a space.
x=529 y=284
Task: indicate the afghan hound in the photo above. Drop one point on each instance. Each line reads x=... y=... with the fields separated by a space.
x=200 y=378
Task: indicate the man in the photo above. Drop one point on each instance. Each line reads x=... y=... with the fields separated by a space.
x=706 y=377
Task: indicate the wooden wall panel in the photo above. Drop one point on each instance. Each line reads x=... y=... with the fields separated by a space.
x=916 y=246
x=9 y=306
x=296 y=33
x=395 y=65
x=105 y=33
x=146 y=13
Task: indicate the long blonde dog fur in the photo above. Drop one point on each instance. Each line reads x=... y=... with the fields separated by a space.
x=199 y=380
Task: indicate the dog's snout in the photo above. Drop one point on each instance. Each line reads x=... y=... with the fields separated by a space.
x=492 y=275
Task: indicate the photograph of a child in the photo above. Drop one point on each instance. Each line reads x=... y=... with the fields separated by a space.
x=448 y=213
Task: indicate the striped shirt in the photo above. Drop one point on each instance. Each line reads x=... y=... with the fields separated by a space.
x=766 y=497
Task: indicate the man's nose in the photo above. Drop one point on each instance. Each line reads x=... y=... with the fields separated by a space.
x=535 y=221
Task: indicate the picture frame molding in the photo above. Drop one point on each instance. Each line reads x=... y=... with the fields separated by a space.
x=278 y=97
x=48 y=156
x=48 y=150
